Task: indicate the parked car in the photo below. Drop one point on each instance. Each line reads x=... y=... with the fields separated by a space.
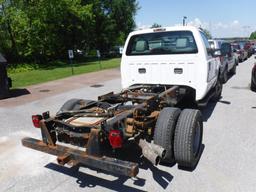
x=215 y=44
x=254 y=48
x=228 y=62
x=249 y=48
x=253 y=79
x=5 y=81
x=242 y=48
x=115 y=51
x=236 y=55
x=239 y=52
x=227 y=58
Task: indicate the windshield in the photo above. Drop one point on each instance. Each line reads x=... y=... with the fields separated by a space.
x=161 y=43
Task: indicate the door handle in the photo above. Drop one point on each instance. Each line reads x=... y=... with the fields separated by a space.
x=178 y=70
x=142 y=70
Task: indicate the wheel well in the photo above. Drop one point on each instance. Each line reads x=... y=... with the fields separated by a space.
x=189 y=99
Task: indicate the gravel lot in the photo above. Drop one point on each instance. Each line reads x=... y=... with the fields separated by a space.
x=227 y=162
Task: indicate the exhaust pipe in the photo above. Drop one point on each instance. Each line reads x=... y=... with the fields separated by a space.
x=148 y=153
x=152 y=152
x=158 y=150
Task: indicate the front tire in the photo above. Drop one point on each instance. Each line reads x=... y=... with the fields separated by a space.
x=253 y=85
x=225 y=76
x=218 y=91
x=188 y=138
x=233 y=70
x=237 y=62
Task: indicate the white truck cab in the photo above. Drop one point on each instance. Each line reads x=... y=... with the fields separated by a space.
x=179 y=55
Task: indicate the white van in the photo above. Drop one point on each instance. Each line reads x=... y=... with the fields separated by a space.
x=179 y=55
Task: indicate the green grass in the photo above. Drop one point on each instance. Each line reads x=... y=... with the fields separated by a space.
x=23 y=79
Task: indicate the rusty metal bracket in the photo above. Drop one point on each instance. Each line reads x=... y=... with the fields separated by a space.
x=112 y=165
x=62 y=160
x=46 y=133
x=93 y=144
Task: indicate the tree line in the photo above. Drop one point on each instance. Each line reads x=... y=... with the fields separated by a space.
x=253 y=36
x=43 y=30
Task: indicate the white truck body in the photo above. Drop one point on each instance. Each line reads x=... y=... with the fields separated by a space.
x=198 y=70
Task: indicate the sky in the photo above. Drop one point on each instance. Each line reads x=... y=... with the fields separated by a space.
x=223 y=18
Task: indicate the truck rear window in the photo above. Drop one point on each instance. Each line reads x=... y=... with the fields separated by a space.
x=162 y=43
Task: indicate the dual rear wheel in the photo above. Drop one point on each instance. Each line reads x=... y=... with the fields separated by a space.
x=180 y=133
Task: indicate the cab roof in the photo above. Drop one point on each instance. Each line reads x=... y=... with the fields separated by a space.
x=162 y=29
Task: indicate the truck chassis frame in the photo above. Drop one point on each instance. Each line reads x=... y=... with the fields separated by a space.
x=136 y=120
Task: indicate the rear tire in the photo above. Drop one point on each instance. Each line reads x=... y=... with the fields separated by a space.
x=233 y=70
x=225 y=76
x=253 y=86
x=237 y=62
x=188 y=138
x=164 y=131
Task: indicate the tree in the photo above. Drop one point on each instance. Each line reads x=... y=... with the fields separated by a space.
x=253 y=35
x=207 y=33
x=41 y=30
x=113 y=22
x=155 y=25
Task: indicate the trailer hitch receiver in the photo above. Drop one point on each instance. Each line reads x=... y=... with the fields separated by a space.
x=66 y=154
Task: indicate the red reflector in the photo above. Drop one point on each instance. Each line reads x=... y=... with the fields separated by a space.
x=36 y=120
x=115 y=139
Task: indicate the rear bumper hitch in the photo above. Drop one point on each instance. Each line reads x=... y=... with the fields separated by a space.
x=66 y=154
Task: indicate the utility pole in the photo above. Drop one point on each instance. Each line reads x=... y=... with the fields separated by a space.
x=184 y=20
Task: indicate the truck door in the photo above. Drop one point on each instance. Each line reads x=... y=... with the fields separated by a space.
x=211 y=61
